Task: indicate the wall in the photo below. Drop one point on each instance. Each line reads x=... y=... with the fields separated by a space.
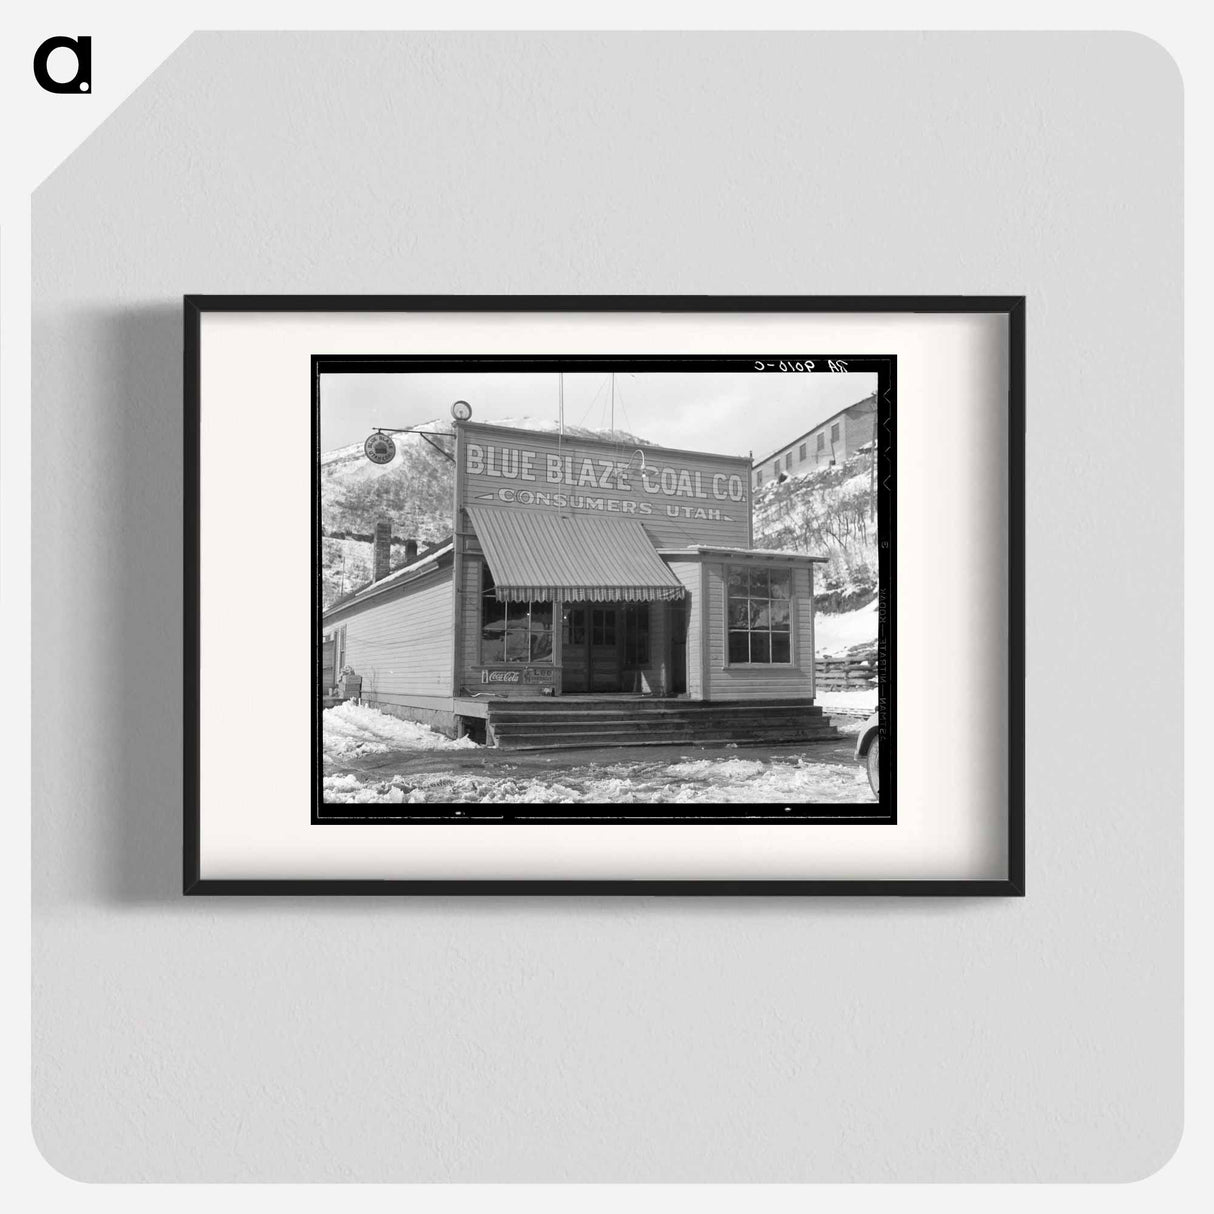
x=795 y=681
x=470 y=613
x=401 y=644
x=858 y=429
x=658 y=667
x=690 y=574
x=508 y=469
x=613 y=1039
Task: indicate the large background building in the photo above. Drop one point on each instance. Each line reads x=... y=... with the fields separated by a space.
x=829 y=442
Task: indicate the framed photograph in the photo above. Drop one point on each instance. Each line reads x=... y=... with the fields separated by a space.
x=615 y=594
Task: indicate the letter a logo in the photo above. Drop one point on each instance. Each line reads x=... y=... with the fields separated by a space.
x=82 y=81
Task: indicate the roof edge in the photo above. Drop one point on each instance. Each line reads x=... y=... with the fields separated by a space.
x=701 y=550
x=824 y=422
x=436 y=562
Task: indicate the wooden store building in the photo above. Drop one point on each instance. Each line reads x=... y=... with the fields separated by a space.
x=590 y=593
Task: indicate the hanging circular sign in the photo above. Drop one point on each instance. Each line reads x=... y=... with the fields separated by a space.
x=461 y=410
x=380 y=449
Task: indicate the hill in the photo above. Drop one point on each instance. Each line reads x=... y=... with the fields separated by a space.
x=829 y=512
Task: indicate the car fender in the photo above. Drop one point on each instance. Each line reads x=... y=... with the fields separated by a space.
x=868 y=731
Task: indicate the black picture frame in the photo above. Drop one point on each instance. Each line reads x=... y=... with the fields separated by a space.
x=1011 y=307
x=882 y=368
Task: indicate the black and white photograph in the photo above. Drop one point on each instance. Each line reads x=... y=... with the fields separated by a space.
x=604 y=589
x=605 y=594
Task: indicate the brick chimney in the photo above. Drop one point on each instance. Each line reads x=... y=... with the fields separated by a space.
x=383 y=548
x=410 y=551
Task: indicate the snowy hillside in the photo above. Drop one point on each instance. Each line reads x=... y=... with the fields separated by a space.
x=829 y=512
x=414 y=491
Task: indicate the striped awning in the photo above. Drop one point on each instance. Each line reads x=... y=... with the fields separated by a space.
x=538 y=556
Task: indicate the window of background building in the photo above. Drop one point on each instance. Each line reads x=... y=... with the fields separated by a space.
x=834 y=433
x=821 y=442
x=788 y=461
x=801 y=453
x=775 y=468
x=513 y=632
x=759 y=615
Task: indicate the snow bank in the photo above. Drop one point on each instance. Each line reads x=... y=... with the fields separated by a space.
x=352 y=730
x=858 y=702
x=835 y=634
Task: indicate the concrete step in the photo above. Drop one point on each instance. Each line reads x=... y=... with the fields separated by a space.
x=603 y=718
x=561 y=741
x=553 y=724
x=644 y=737
x=711 y=712
x=609 y=724
x=607 y=703
x=653 y=715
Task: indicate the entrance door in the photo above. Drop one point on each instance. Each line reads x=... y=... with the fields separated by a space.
x=678 y=647
x=575 y=651
x=604 y=649
x=590 y=649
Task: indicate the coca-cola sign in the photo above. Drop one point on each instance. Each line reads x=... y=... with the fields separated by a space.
x=501 y=676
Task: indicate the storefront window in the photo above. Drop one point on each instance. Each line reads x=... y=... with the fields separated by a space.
x=513 y=632
x=759 y=615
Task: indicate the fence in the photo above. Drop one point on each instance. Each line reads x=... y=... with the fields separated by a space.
x=855 y=672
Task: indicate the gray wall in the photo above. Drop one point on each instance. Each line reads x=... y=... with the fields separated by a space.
x=630 y=1039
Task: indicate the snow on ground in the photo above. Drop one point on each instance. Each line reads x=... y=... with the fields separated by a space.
x=637 y=781
x=352 y=730
x=834 y=634
x=857 y=702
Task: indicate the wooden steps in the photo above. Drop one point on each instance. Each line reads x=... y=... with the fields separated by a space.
x=563 y=723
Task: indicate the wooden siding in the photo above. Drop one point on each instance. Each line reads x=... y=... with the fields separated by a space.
x=794 y=682
x=659 y=642
x=858 y=430
x=688 y=572
x=681 y=497
x=469 y=680
x=403 y=646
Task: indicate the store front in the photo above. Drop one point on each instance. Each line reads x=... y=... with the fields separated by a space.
x=604 y=647
x=584 y=568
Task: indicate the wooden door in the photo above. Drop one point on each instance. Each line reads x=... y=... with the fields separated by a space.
x=575 y=652
x=328 y=663
x=605 y=642
x=678 y=647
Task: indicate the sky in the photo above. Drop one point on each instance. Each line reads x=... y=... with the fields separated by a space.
x=730 y=414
